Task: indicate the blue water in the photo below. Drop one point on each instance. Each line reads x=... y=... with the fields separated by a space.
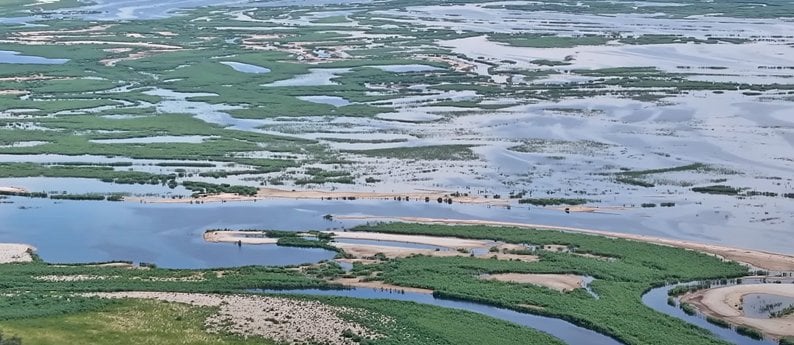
x=7 y=56
x=246 y=68
x=656 y=299
x=565 y=331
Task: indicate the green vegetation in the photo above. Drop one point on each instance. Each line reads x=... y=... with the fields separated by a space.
x=619 y=284
x=444 y=152
x=719 y=322
x=125 y=322
x=552 y=201
x=428 y=325
x=749 y=332
x=9 y=341
x=783 y=312
x=203 y=188
x=717 y=189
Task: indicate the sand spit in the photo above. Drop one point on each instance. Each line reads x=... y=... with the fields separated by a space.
x=449 y=242
x=281 y=319
x=454 y=246
x=726 y=303
x=13 y=92
x=355 y=282
x=391 y=252
x=242 y=236
x=760 y=259
x=559 y=282
x=273 y=193
x=14 y=252
x=13 y=190
x=92 y=29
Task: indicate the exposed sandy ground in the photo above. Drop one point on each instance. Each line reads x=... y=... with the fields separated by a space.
x=559 y=282
x=96 y=28
x=354 y=282
x=725 y=303
x=72 y=278
x=13 y=190
x=13 y=92
x=26 y=78
x=234 y=236
x=281 y=319
x=131 y=57
x=361 y=251
x=761 y=259
x=273 y=193
x=457 y=64
x=449 y=242
x=366 y=251
x=14 y=252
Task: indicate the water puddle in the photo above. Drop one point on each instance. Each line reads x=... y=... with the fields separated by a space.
x=246 y=68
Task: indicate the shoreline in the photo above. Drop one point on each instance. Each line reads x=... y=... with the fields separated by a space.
x=756 y=258
x=725 y=303
x=15 y=252
x=427 y=196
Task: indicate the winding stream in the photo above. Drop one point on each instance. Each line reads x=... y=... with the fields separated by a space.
x=563 y=330
x=656 y=299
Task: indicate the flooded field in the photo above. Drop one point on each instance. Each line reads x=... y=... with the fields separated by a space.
x=129 y=128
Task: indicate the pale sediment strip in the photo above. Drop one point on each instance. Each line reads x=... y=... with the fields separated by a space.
x=247 y=237
x=273 y=193
x=756 y=258
x=559 y=282
x=15 y=252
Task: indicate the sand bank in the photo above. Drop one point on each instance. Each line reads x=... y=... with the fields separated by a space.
x=761 y=259
x=726 y=303
x=235 y=236
x=274 y=318
x=14 y=252
x=12 y=190
x=274 y=193
x=559 y=282
x=354 y=282
x=448 y=242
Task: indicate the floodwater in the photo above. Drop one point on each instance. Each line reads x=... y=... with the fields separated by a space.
x=657 y=300
x=761 y=306
x=315 y=77
x=563 y=330
x=330 y=100
x=7 y=56
x=246 y=68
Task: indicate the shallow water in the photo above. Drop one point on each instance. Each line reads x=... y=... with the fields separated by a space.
x=246 y=68
x=7 y=56
x=565 y=331
x=331 y=100
x=656 y=299
x=315 y=77
x=168 y=235
x=759 y=305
